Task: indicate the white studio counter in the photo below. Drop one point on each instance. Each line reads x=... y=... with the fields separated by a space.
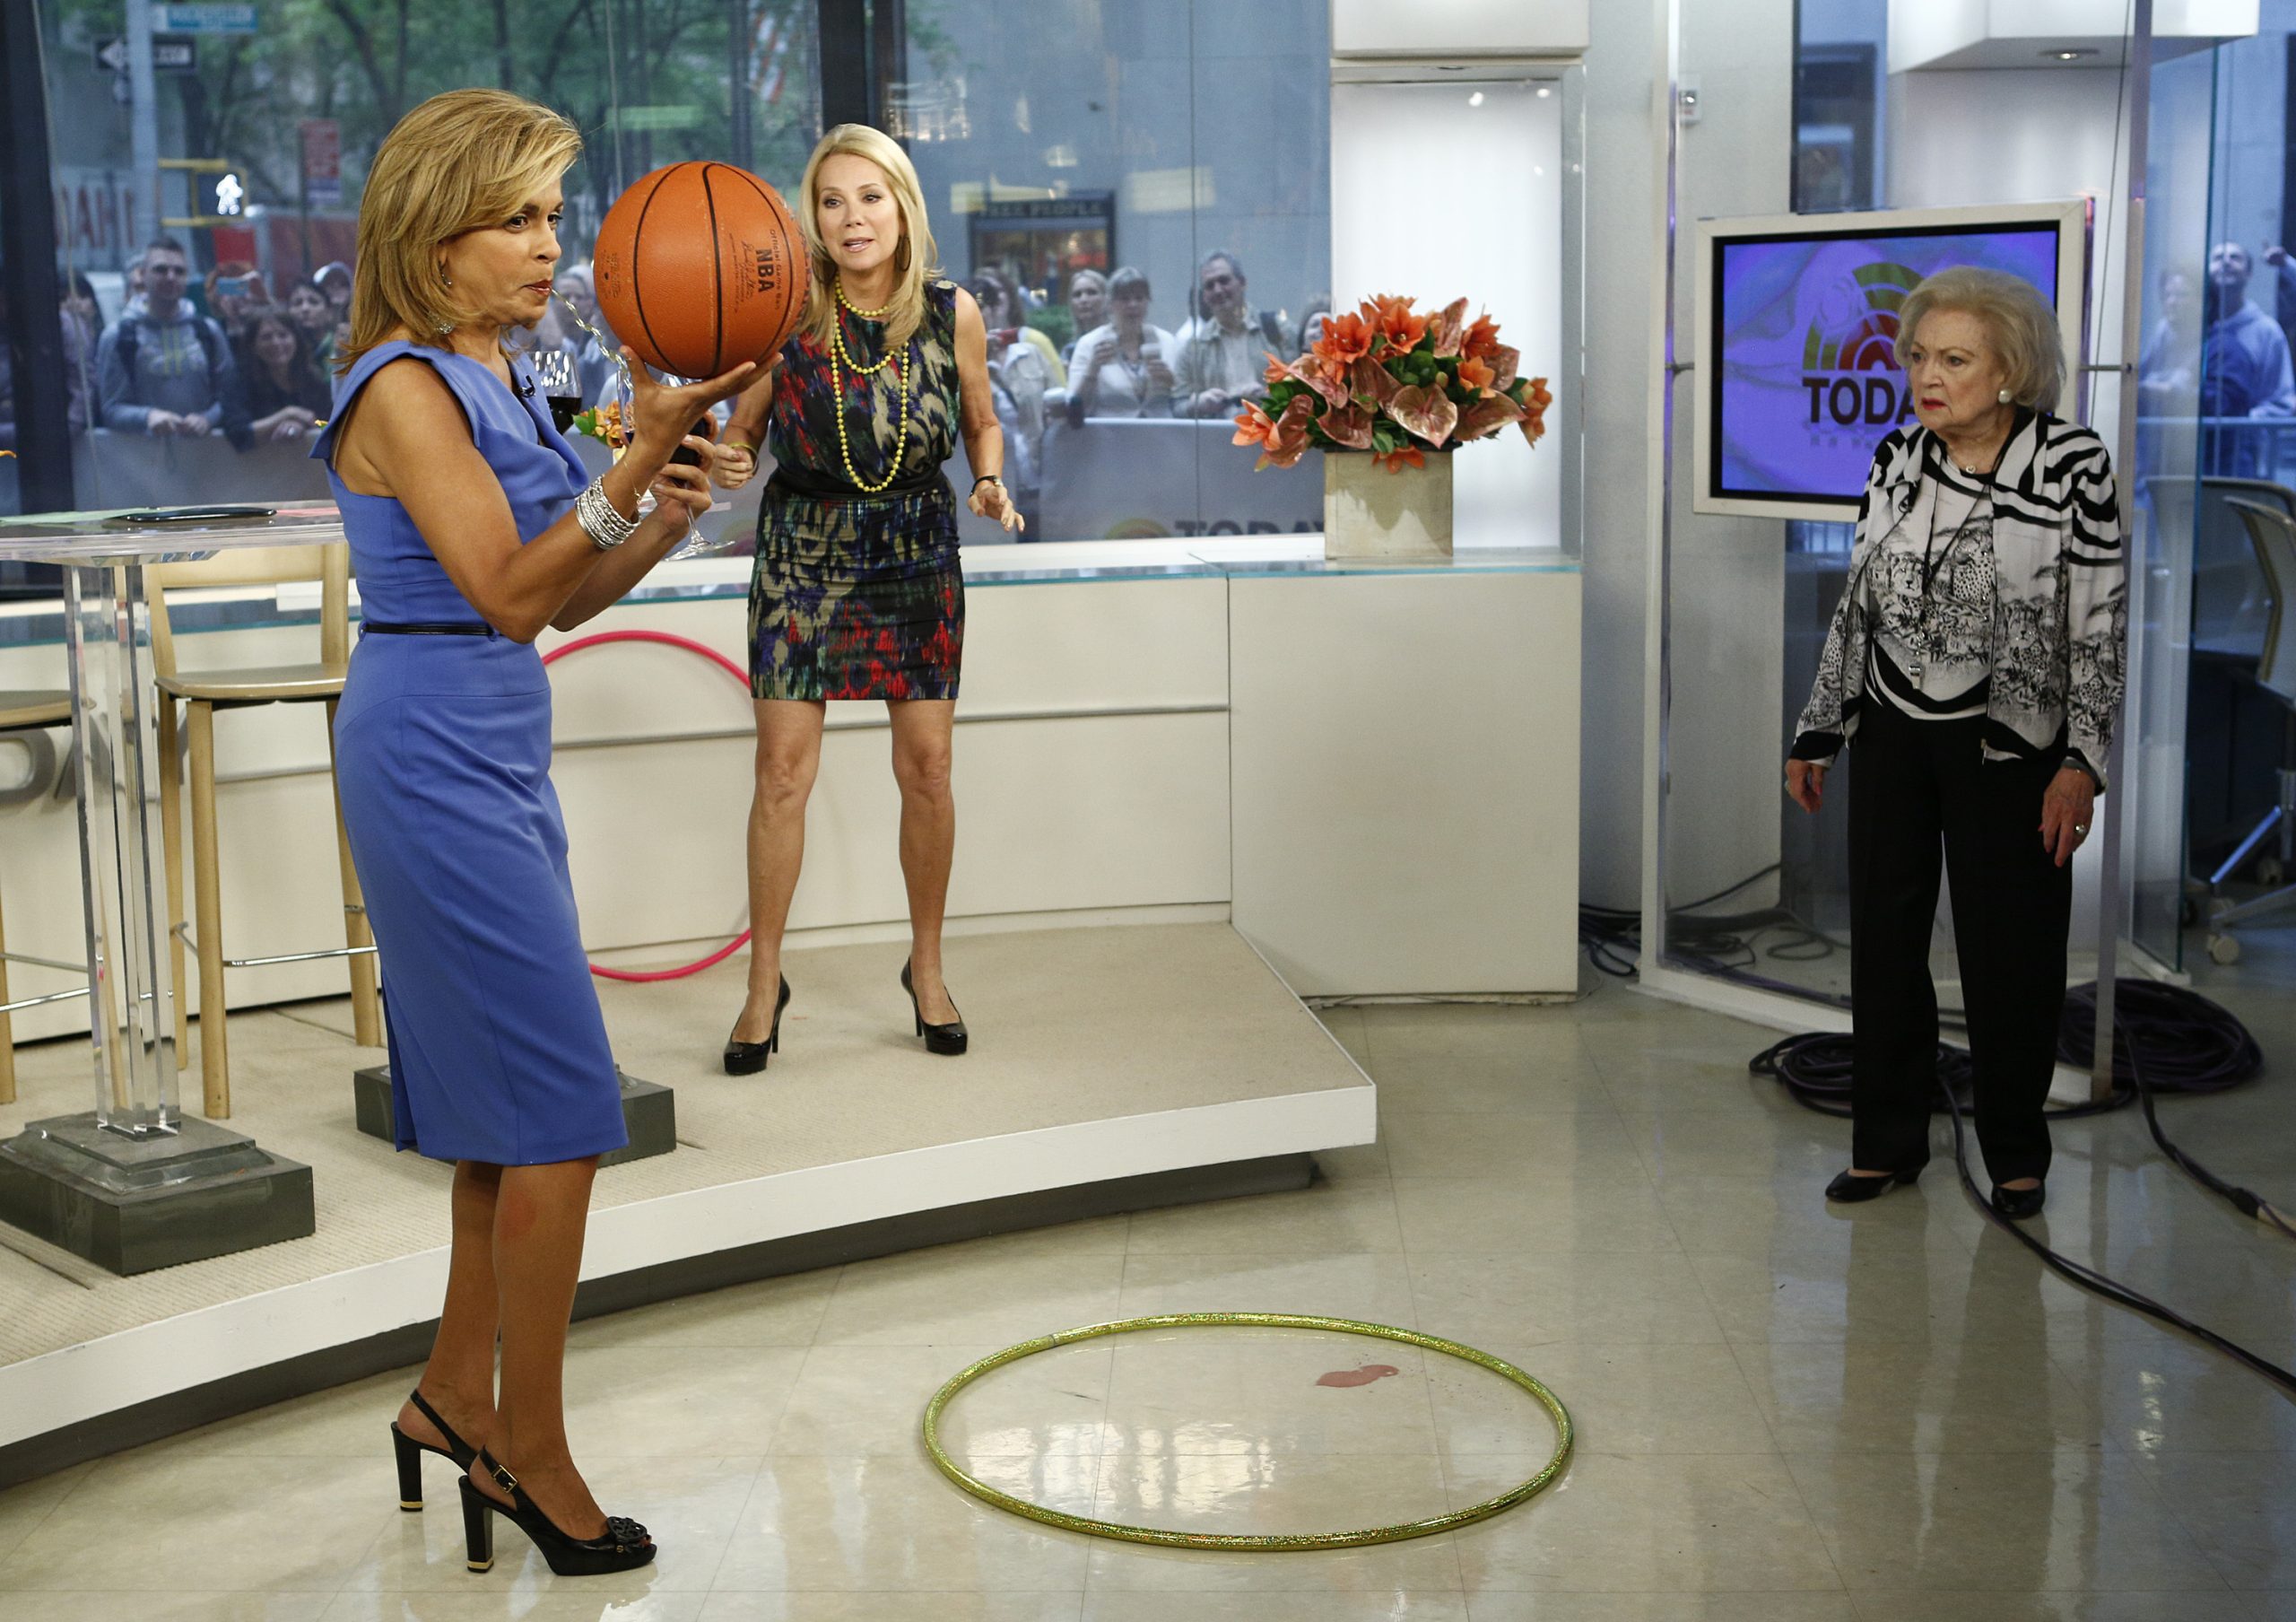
x=1373 y=769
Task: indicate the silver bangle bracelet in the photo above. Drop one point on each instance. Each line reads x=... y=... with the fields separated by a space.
x=595 y=511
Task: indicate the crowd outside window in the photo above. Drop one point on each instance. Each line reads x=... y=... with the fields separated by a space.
x=1088 y=307
x=1008 y=321
x=165 y=369
x=308 y=307
x=1122 y=368
x=334 y=280
x=2168 y=368
x=234 y=289
x=1021 y=374
x=1223 y=351
x=2245 y=370
x=285 y=393
x=83 y=327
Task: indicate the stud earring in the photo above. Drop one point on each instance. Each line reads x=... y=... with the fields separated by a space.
x=2005 y=397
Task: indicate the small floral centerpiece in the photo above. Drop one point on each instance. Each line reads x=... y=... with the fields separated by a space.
x=603 y=424
x=1395 y=381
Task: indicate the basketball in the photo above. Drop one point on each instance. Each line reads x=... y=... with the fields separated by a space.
x=700 y=266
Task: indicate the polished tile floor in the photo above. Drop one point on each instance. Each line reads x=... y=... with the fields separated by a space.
x=1785 y=1413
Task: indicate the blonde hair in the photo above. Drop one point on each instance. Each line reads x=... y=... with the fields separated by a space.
x=906 y=311
x=2020 y=324
x=460 y=161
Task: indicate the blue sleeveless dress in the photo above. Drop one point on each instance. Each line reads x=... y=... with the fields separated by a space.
x=498 y=1050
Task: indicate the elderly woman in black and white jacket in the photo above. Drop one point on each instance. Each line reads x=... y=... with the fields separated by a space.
x=1976 y=659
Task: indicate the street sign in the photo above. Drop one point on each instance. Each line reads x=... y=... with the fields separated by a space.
x=168 y=55
x=322 y=143
x=204 y=18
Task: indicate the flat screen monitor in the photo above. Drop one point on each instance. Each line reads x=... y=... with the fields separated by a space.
x=1796 y=378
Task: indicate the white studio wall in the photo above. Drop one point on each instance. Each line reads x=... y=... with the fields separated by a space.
x=1626 y=178
x=1726 y=583
x=1460 y=28
x=1478 y=168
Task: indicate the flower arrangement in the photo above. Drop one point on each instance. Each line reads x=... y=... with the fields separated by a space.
x=1395 y=381
x=603 y=423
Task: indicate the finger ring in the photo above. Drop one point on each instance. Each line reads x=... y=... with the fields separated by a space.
x=2080 y=827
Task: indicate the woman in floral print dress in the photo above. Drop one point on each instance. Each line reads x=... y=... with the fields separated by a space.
x=857 y=591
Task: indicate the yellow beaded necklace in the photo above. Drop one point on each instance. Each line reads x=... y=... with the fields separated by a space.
x=898 y=361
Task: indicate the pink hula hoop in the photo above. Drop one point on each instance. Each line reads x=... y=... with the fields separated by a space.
x=739 y=674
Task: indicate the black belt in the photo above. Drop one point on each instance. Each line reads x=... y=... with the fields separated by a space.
x=433 y=628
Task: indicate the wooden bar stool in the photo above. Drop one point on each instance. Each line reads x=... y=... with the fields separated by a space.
x=202 y=693
x=22 y=712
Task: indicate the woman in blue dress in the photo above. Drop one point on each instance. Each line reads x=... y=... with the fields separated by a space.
x=472 y=527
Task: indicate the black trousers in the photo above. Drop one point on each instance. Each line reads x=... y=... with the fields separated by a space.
x=1920 y=789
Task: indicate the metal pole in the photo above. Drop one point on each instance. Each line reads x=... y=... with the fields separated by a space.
x=845 y=62
x=2132 y=341
x=144 y=124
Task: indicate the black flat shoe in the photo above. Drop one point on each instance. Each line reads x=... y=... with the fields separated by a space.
x=624 y=1548
x=2018 y=1204
x=410 y=1452
x=1849 y=1188
x=748 y=1058
x=950 y=1038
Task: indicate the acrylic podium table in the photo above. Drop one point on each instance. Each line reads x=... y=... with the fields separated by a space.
x=134 y=1185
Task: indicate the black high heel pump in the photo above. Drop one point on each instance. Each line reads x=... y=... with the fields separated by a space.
x=748 y=1058
x=410 y=1452
x=624 y=1548
x=950 y=1038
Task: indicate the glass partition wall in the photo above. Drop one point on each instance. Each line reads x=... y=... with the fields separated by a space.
x=1747 y=896
x=1059 y=143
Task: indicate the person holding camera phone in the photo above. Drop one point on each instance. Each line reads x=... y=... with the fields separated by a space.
x=1124 y=368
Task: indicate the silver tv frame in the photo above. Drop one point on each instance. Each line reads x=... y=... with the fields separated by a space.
x=2070 y=217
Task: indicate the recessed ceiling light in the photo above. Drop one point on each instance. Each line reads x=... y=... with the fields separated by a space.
x=1476 y=100
x=2071 y=54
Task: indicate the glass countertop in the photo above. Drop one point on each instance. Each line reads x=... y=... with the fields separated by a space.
x=106 y=539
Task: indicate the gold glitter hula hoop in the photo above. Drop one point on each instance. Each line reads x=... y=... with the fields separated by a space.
x=1266 y=1542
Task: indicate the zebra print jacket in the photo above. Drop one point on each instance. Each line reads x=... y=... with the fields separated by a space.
x=2060 y=620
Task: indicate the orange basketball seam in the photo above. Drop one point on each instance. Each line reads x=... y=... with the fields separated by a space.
x=793 y=252
x=638 y=236
x=717 y=279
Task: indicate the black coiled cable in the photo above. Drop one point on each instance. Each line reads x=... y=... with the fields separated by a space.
x=2165 y=1039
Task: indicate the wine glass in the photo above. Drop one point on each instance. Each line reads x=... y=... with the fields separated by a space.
x=560 y=379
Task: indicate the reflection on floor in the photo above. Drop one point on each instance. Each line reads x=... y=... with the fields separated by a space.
x=1786 y=1412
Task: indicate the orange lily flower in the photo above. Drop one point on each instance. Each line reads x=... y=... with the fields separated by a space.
x=1396 y=323
x=1474 y=373
x=1346 y=340
x=1397 y=461
x=1482 y=338
x=1254 y=426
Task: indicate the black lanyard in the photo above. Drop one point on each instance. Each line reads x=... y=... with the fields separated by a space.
x=1932 y=560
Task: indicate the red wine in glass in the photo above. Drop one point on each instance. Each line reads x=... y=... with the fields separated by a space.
x=561 y=379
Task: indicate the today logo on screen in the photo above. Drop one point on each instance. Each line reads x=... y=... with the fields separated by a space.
x=1853 y=335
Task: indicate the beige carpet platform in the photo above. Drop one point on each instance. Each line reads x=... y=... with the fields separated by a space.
x=1097 y=1054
